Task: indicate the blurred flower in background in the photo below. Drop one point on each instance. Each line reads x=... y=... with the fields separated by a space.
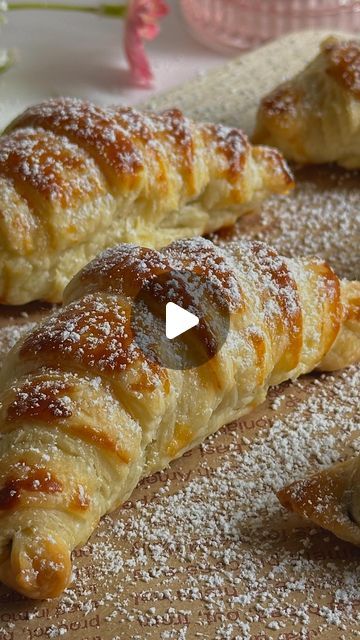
x=141 y=23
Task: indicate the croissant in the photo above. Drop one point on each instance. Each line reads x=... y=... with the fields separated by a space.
x=76 y=178
x=85 y=414
x=315 y=116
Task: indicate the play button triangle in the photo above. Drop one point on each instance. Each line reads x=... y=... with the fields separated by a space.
x=178 y=320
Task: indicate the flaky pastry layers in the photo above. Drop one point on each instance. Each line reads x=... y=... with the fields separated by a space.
x=76 y=178
x=315 y=117
x=85 y=414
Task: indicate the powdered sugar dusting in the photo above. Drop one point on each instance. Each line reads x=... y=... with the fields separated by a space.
x=9 y=336
x=320 y=218
x=343 y=63
x=126 y=267
x=252 y=573
x=203 y=548
x=50 y=164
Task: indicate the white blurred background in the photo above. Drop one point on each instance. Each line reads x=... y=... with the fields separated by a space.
x=62 y=53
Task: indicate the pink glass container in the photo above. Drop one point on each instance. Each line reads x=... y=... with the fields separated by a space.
x=229 y=25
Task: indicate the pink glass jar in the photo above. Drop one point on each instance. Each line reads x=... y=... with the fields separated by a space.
x=226 y=25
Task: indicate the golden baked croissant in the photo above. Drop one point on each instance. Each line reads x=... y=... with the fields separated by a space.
x=315 y=116
x=85 y=414
x=76 y=178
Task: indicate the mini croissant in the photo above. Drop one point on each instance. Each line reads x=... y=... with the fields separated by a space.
x=85 y=413
x=315 y=116
x=76 y=178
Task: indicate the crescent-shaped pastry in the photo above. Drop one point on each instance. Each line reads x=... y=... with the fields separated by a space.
x=85 y=413
x=76 y=178
x=315 y=117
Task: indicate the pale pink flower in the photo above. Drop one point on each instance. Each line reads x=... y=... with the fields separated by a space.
x=141 y=24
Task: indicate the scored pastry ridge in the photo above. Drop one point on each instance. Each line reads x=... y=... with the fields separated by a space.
x=76 y=178
x=85 y=414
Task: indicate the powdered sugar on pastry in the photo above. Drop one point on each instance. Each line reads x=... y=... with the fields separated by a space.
x=77 y=178
x=79 y=385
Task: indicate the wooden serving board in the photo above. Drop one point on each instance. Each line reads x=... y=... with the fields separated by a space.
x=203 y=550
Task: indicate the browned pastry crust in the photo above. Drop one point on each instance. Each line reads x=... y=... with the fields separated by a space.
x=76 y=178
x=329 y=498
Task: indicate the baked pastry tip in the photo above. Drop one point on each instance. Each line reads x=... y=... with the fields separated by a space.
x=329 y=499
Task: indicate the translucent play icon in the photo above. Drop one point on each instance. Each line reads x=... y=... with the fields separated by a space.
x=179 y=319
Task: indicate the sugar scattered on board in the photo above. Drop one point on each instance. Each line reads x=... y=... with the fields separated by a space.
x=320 y=218
x=204 y=549
x=10 y=335
x=210 y=551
